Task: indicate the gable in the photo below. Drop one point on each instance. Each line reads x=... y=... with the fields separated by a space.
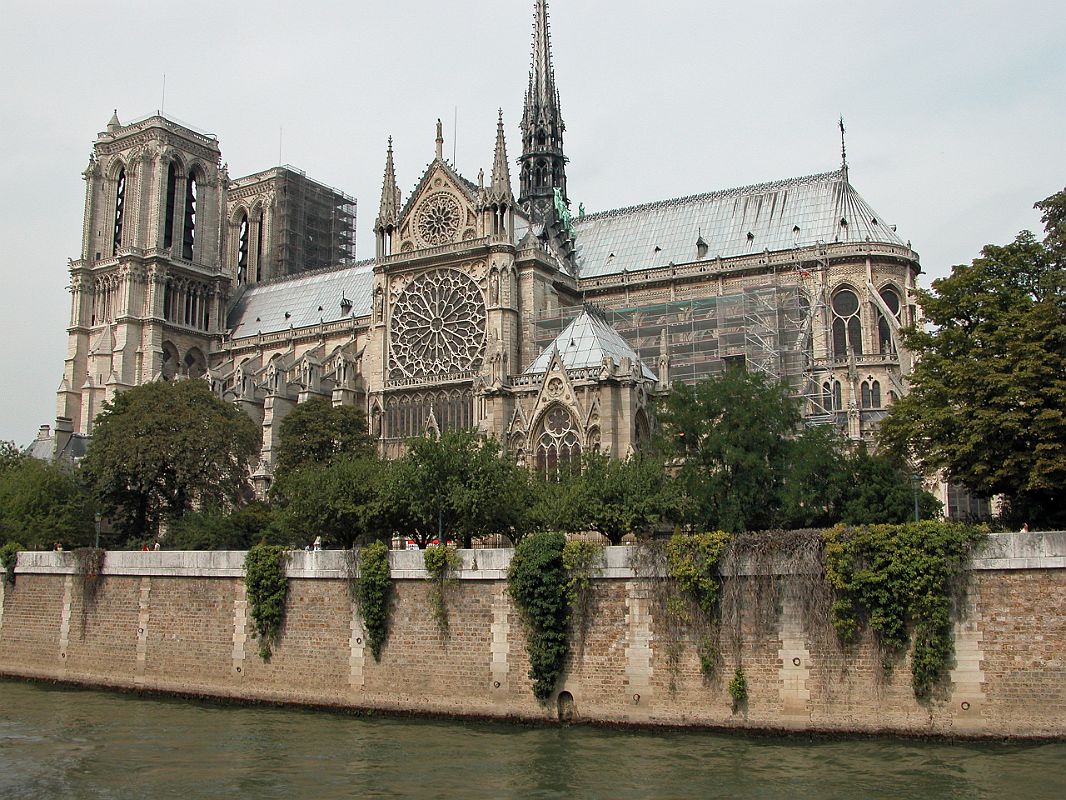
x=439 y=212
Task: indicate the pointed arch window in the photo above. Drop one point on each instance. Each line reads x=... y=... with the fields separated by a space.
x=558 y=447
x=871 y=394
x=120 y=211
x=189 y=234
x=259 y=248
x=242 y=250
x=168 y=219
x=885 y=342
x=832 y=396
x=847 y=324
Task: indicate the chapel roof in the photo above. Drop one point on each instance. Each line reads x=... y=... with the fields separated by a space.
x=585 y=343
x=781 y=215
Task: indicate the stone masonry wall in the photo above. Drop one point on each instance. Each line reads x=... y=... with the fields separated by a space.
x=179 y=622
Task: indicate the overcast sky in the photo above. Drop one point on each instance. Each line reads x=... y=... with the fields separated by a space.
x=955 y=112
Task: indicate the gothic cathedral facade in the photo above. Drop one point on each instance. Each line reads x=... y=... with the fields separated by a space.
x=549 y=330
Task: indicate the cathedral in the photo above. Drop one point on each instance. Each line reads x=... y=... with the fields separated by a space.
x=550 y=329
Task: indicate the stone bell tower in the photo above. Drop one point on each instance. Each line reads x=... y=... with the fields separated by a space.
x=149 y=293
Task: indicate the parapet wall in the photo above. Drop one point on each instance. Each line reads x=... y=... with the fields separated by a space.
x=179 y=622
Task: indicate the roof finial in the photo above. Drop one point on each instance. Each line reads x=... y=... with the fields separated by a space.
x=843 y=150
x=440 y=140
x=501 y=174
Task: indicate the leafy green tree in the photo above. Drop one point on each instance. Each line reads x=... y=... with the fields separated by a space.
x=41 y=504
x=816 y=480
x=342 y=501
x=158 y=449
x=317 y=432
x=457 y=485
x=879 y=489
x=616 y=497
x=988 y=398
x=730 y=436
x=216 y=529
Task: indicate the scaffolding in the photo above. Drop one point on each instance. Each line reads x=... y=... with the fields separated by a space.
x=315 y=224
x=770 y=328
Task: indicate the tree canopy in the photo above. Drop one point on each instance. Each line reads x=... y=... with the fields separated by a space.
x=42 y=503
x=158 y=449
x=730 y=435
x=988 y=393
x=458 y=485
x=317 y=432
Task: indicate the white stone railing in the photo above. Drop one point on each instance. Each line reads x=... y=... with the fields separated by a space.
x=1004 y=551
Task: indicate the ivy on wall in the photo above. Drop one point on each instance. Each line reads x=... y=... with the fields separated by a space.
x=267 y=588
x=538 y=582
x=375 y=589
x=901 y=580
x=442 y=563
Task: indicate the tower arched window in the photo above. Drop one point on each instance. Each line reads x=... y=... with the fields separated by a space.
x=259 y=248
x=557 y=445
x=120 y=211
x=885 y=342
x=242 y=250
x=847 y=324
x=871 y=394
x=189 y=234
x=168 y=218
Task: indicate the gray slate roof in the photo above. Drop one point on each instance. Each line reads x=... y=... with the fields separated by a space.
x=306 y=298
x=585 y=342
x=774 y=216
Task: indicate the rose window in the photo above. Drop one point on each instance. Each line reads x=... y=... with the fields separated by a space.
x=438 y=326
x=438 y=219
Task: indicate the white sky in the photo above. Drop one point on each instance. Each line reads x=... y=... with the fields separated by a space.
x=955 y=112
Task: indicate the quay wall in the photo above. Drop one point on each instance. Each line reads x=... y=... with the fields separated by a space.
x=179 y=622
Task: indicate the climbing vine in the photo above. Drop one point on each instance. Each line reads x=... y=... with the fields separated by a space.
x=9 y=555
x=899 y=579
x=692 y=564
x=537 y=580
x=442 y=563
x=582 y=561
x=375 y=587
x=738 y=689
x=267 y=588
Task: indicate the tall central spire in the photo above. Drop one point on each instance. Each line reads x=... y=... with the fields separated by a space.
x=541 y=90
x=543 y=162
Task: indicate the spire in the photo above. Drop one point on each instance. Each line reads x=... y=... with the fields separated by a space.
x=113 y=124
x=390 y=193
x=440 y=141
x=541 y=91
x=543 y=161
x=843 y=151
x=501 y=173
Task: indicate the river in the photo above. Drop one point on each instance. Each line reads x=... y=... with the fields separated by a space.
x=58 y=742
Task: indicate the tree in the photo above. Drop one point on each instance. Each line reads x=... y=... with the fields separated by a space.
x=816 y=480
x=342 y=501
x=729 y=435
x=616 y=497
x=317 y=432
x=456 y=485
x=158 y=449
x=42 y=503
x=988 y=399
x=215 y=529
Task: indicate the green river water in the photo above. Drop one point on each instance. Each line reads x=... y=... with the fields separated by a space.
x=74 y=743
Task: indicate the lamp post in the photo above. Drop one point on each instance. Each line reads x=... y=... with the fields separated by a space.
x=916 y=481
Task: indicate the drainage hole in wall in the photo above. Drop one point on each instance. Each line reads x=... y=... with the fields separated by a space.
x=495 y=684
x=965 y=706
x=796 y=661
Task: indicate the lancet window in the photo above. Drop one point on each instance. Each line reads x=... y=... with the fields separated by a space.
x=120 y=211
x=871 y=394
x=847 y=324
x=407 y=414
x=188 y=303
x=884 y=330
x=557 y=446
x=168 y=220
x=242 y=250
x=189 y=233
